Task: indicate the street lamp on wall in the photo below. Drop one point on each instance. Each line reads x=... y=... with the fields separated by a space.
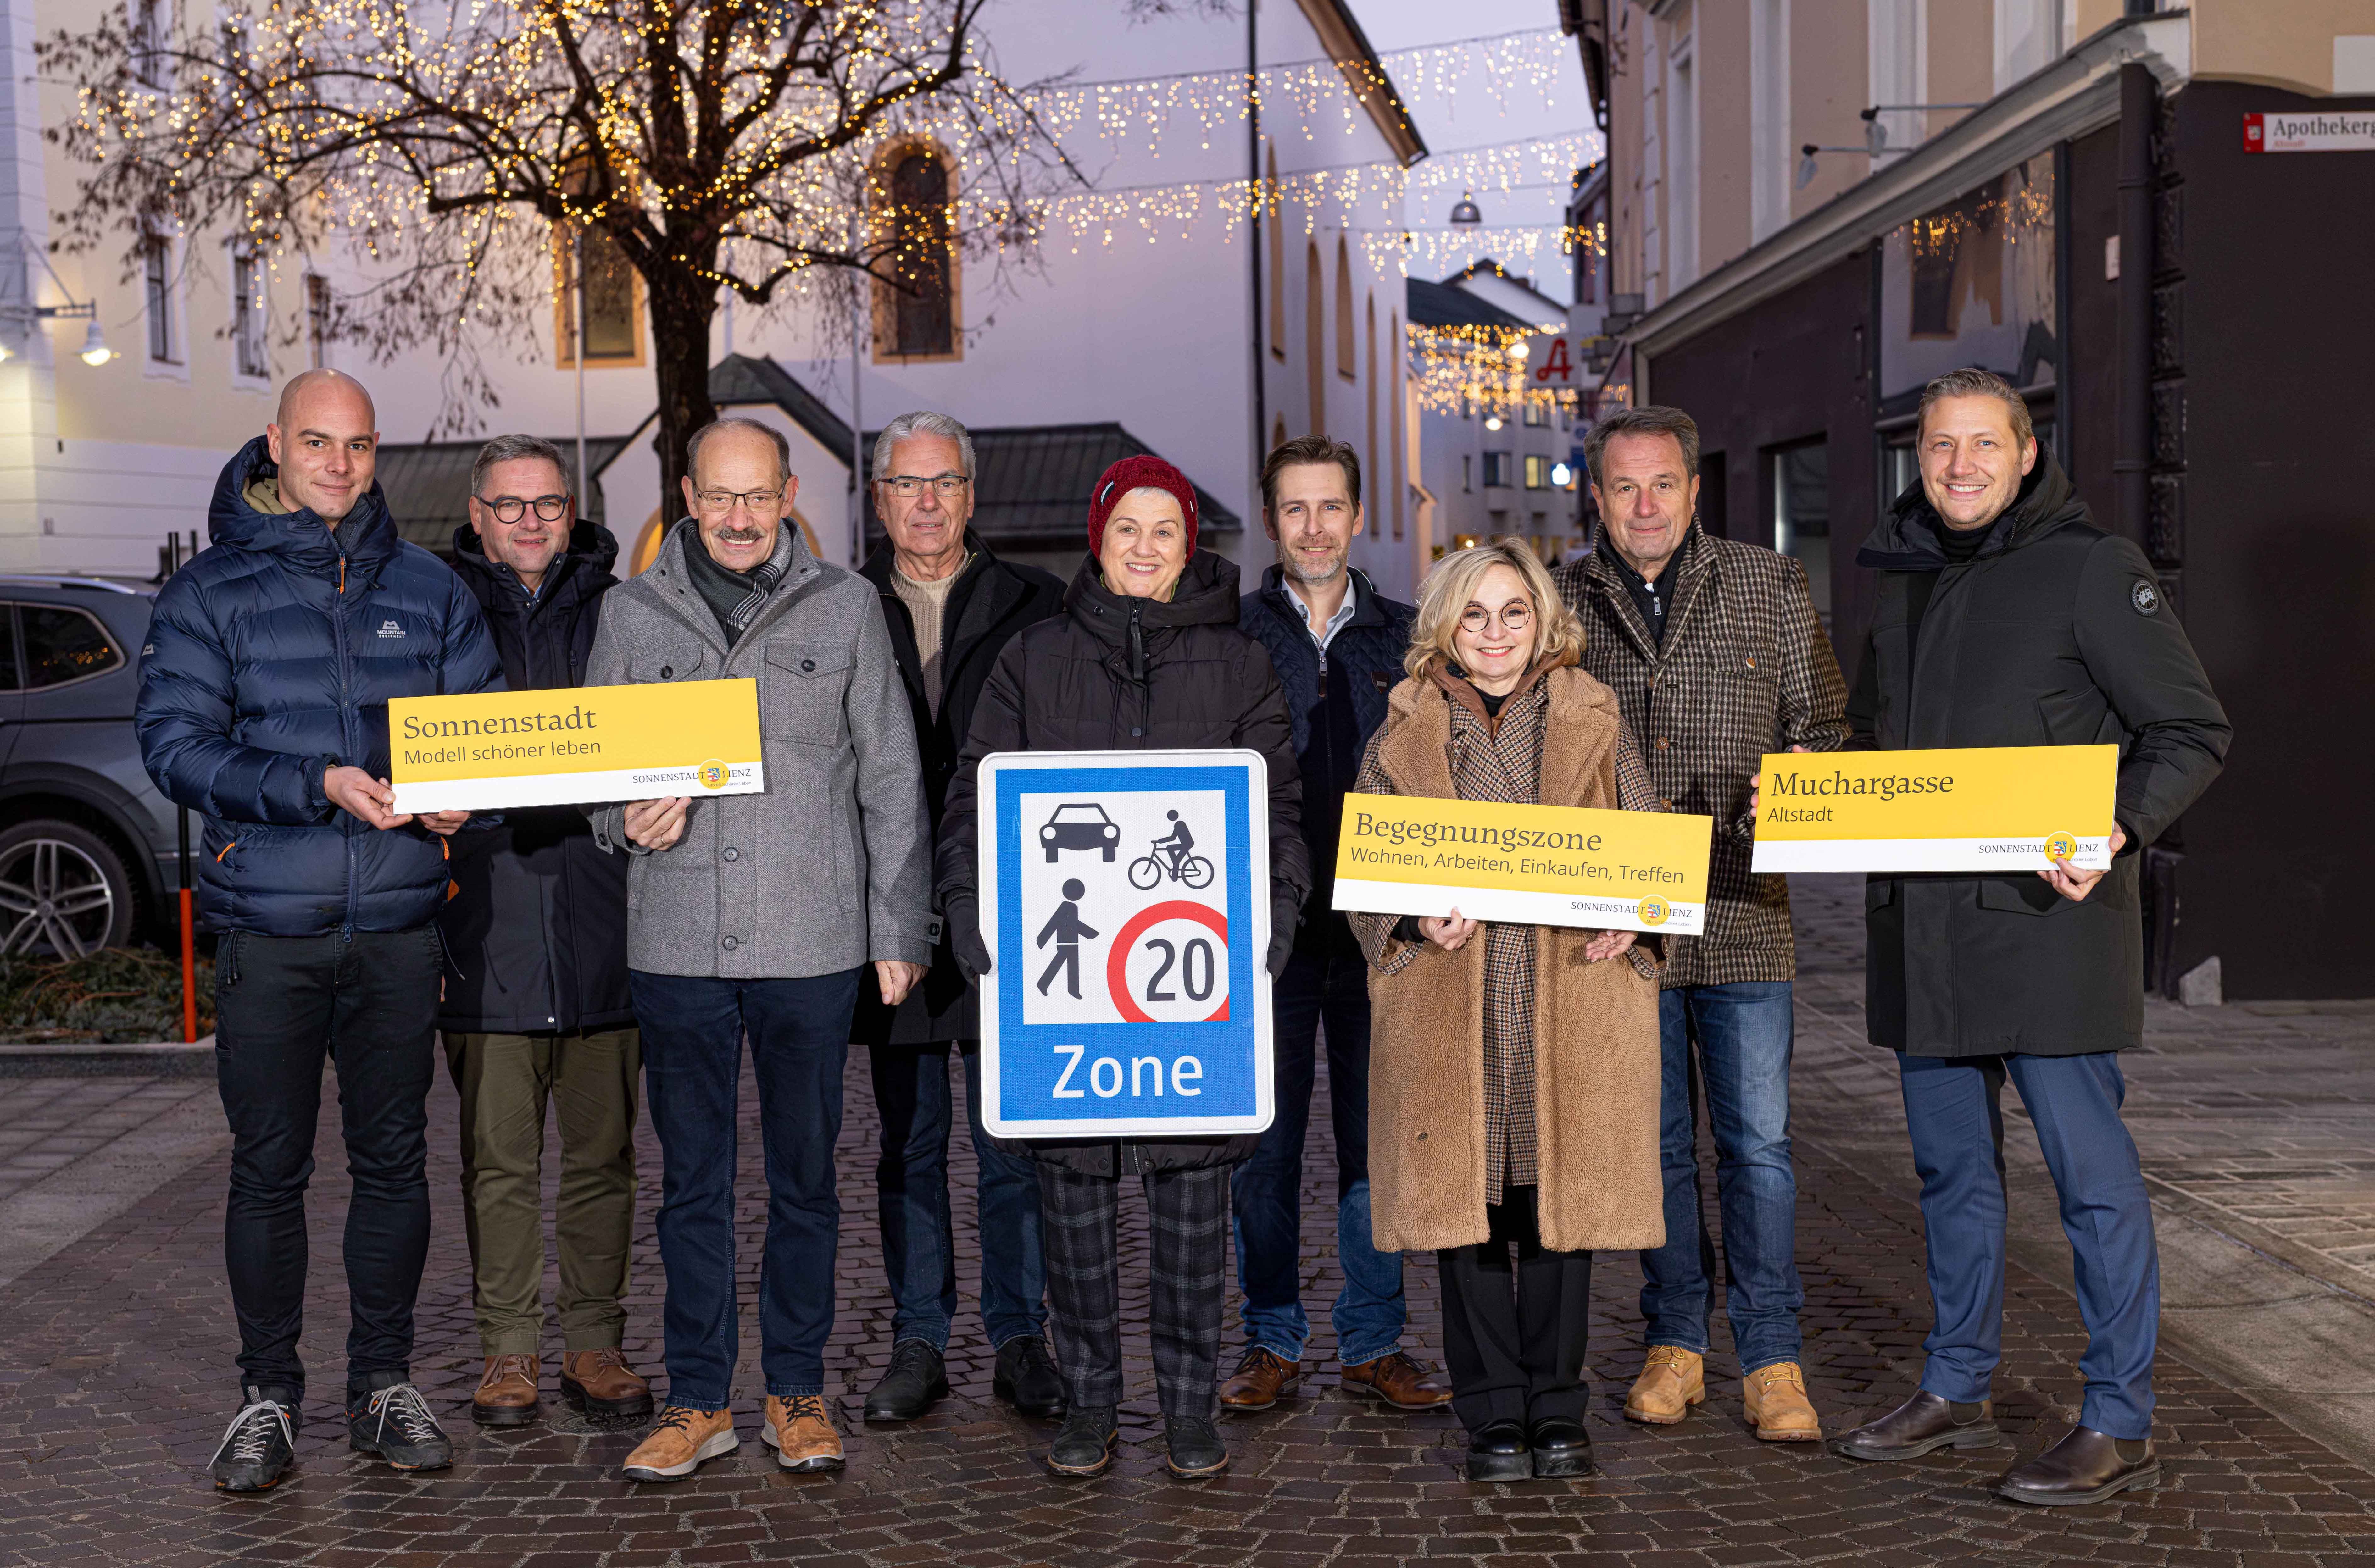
x=95 y=350
x=1465 y=213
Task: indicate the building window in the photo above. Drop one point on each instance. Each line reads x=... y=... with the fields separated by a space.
x=1537 y=471
x=1682 y=173
x=1369 y=445
x=1537 y=413
x=1315 y=337
x=157 y=296
x=1496 y=470
x=151 y=37
x=249 y=356
x=1467 y=473
x=1345 y=365
x=613 y=300
x=1801 y=514
x=1402 y=423
x=1972 y=283
x=917 y=314
x=318 y=318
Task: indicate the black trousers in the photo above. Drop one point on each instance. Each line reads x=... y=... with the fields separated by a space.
x=1188 y=1228
x=367 y=1001
x=1513 y=1337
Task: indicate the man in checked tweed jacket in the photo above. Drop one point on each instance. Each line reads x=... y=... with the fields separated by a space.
x=1715 y=655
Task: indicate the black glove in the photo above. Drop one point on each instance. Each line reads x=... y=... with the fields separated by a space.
x=1284 y=915
x=964 y=938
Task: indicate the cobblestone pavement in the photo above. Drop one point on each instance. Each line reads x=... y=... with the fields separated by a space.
x=118 y=1380
x=50 y=1123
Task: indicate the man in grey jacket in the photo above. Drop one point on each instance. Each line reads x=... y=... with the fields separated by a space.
x=758 y=914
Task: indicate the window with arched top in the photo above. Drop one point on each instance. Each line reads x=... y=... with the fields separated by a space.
x=1346 y=365
x=1315 y=337
x=917 y=278
x=1274 y=215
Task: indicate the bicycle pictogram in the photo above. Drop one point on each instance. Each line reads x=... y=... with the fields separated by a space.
x=1170 y=853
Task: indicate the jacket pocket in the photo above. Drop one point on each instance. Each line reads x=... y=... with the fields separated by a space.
x=1879 y=892
x=2022 y=895
x=2076 y=718
x=802 y=693
x=667 y=664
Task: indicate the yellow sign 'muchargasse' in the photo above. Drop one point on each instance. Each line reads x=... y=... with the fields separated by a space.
x=499 y=750
x=1978 y=809
x=1540 y=865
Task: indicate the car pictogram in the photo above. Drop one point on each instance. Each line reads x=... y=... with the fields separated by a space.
x=1080 y=824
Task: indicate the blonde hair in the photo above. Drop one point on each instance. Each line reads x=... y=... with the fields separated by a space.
x=1558 y=633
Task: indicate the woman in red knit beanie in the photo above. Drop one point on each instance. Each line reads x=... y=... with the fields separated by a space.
x=1147 y=656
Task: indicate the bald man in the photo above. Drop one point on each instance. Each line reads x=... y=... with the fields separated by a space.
x=264 y=691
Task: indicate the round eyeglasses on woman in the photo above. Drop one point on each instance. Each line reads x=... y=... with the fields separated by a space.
x=1514 y=617
x=510 y=508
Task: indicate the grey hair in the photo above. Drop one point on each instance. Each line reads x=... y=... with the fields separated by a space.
x=510 y=449
x=1651 y=419
x=923 y=422
x=694 y=443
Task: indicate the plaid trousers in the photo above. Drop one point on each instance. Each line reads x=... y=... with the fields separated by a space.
x=1187 y=1214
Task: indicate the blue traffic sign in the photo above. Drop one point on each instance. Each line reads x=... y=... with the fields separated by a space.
x=1127 y=900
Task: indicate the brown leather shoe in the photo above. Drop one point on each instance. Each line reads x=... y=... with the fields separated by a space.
x=2087 y=1466
x=1918 y=1425
x=1398 y=1381
x=1776 y=1404
x=601 y=1383
x=1671 y=1381
x=801 y=1432
x=682 y=1442
x=1258 y=1381
x=506 y=1395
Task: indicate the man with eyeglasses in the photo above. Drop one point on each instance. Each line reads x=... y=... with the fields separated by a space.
x=535 y=1005
x=760 y=916
x=950 y=606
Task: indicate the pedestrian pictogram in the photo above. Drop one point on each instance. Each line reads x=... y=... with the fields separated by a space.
x=1128 y=994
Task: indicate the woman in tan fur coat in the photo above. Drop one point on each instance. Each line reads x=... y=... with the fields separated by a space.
x=1514 y=1069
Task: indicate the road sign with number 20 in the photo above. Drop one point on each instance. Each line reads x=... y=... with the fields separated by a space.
x=1125 y=900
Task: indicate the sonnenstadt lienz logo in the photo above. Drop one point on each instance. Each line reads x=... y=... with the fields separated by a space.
x=2061 y=846
x=713 y=774
x=1654 y=911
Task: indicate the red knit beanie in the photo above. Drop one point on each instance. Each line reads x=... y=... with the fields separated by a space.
x=1146 y=472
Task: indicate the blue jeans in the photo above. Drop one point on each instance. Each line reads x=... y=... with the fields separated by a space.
x=1744 y=1034
x=1953 y=1112
x=919 y=1254
x=1267 y=1192
x=693 y=1027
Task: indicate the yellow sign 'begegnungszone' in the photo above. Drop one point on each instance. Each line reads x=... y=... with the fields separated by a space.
x=499 y=750
x=1540 y=865
x=1977 y=808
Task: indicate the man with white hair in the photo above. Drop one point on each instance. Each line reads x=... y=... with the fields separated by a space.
x=951 y=605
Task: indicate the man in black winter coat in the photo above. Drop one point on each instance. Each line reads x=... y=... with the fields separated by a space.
x=952 y=606
x=536 y=1000
x=1337 y=644
x=2005 y=617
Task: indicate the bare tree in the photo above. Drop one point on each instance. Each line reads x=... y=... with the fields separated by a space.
x=717 y=144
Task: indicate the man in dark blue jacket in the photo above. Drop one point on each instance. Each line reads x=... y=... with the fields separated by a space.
x=1337 y=644
x=264 y=693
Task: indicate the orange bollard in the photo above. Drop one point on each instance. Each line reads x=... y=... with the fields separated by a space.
x=189 y=971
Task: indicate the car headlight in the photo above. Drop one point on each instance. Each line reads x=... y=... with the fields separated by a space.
x=1048 y=833
x=1111 y=832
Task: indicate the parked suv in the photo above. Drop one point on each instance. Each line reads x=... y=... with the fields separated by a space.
x=87 y=845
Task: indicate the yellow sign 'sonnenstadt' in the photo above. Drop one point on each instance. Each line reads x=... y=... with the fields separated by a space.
x=572 y=745
x=1976 y=808
x=1540 y=865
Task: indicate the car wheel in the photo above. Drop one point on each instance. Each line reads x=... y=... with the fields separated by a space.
x=63 y=891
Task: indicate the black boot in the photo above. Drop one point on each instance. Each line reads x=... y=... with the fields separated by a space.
x=2087 y=1466
x=257 y=1445
x=1561 y=1446
x=394 y=1424
x=1498 y=1451
x=1918 y=1425
x=1195 y=1449
x=915 y=1378
x=1084 y=1446
x=1026 y=1378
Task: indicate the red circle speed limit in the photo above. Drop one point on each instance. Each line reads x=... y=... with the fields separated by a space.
x=1126 y=942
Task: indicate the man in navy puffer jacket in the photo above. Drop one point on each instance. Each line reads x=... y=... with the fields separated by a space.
x=264 y=693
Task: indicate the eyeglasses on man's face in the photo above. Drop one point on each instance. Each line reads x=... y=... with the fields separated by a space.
x=716 y=503
x=908 y=486
x=1515 y=615
x=510 y=508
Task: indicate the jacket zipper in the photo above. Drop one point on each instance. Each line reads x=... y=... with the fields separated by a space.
x=346 y=722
